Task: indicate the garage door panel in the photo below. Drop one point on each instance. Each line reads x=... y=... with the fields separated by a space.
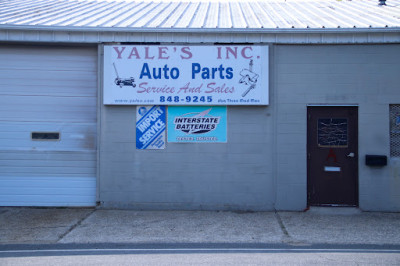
x=48 y=75
x=36 y=164
x=48 y=116
x=47 y=191
x=35 y=104
x=14 y=127
x=46 y=155
x=75 y=143
x=47 y=170
x=19 y=198
x=73 y=136
x=46 y=200
x=34 y=175
x=66 y=58
x=51 y=163
x=51 y=65
x=45 y=89
x=73 y=109
x=46 y=182
x=43 y=103
x=51 y=190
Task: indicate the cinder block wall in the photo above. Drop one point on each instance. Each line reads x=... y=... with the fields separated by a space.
x=236 y=175
x=364 y=75
x=263 y=165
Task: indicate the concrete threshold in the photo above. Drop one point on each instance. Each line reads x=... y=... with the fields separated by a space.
x=334 y=210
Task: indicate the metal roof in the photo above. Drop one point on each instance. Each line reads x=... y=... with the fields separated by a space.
x=187 y=16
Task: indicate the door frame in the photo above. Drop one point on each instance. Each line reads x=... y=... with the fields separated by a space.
x=309 y=184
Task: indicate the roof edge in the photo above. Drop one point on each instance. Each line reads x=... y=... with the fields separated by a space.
x=75 y=35
x=201 y=30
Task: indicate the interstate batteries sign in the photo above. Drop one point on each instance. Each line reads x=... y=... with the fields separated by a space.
x=185 y=75
x=197 y=124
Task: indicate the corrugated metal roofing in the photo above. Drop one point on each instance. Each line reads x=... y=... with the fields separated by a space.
x=198 y=14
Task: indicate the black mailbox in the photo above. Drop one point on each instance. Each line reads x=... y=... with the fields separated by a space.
x=376 y=160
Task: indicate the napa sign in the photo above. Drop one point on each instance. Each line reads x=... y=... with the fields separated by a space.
x=185 y=75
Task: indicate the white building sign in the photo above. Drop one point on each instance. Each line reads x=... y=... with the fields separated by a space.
x=186 y=75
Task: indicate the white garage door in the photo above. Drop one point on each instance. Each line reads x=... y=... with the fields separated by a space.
x=48 y=126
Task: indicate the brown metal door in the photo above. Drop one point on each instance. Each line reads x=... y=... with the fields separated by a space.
x=332 y=150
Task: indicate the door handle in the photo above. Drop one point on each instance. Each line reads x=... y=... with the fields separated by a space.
x=351 y=155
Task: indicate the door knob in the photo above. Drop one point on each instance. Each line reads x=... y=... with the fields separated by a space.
x=351 y=154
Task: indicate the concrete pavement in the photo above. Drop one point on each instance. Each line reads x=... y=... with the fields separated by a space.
x=83 y=226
